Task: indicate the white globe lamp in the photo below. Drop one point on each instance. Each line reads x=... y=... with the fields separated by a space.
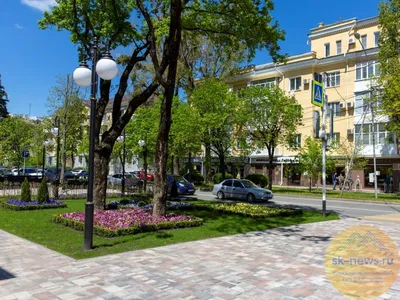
x=106 y=67
x=82 y=75
x=142 y=143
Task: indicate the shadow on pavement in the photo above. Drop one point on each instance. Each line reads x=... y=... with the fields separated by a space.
x=4 y=275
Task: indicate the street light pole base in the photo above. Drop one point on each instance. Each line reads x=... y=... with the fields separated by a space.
x=88 y=231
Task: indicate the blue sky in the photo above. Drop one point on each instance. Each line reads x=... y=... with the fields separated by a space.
x=30 y=59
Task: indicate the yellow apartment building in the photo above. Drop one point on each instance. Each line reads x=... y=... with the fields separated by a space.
x=346 y=52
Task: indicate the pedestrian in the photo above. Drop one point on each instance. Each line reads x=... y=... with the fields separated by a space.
x=341 y=180
x=334 y=180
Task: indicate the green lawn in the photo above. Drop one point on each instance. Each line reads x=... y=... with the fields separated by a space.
x=36 y=226
x=363 y=196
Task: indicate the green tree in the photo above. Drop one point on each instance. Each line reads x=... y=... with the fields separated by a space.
x=15 y=136
x=3 y=101
x=217 y=109
x=25 y=191
x=268 y=118
x=310 y=160
x=389 y=45
x=156 y=35
x=43 y=192
x=65 y=102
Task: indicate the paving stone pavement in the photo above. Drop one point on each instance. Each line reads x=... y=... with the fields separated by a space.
x=283 y=263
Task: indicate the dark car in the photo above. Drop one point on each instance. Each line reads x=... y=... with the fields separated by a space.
x=130 y=180
x=69 y=177
x=184 y=187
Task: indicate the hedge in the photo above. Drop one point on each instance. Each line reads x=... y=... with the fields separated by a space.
x=32 y=207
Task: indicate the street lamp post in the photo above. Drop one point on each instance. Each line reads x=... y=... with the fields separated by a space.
x=107 y=69
x=56 y=131
x=142 y=144
x=122 y=139
x=45 y=144
x=358 y=37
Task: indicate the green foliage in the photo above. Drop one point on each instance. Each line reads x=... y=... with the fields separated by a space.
x=101 y=231
x=3 y=101
x=16 y=134
x=259 y=179
x=32 y=207
x=218 y=178
x=250 y=210
x=195 y=177
x=310 y=159
x=389 y=45
x=25 y=191
x=43 y=192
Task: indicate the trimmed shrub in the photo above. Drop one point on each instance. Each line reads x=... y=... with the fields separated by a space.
x=218 y=177
x=195 y=177
x=43 y=192
x=26 y=191
x=259 y=179
x=32 y=205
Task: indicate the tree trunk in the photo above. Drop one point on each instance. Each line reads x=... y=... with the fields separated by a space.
x=207 y=163
x=72 y=160
x=161 y=159
x=190 y=167
x=310 y=180
x=101 y=162
x=271 y=152
x=176 y=165
x=63 y=155
x=222 y=165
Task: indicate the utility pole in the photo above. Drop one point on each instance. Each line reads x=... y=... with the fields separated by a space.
x=324 y=142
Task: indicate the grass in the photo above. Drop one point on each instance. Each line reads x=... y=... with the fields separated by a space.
x=364 y=196
x=37 y=226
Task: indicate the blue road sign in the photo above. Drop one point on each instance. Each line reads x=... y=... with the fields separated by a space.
x=25 y=154
x=317 y=96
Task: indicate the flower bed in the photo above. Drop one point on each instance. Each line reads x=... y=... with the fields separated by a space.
x=110 y=223
x=250 y=210
x=141 y=204
x=32 y=205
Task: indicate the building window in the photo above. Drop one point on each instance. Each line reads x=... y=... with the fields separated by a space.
x=338 y=47
x=364 y=134
x=268 y=83
x=377 y=35
x=361 y=104
x=296 y=142
x=365 y=70
x=327 y=49
x=295 y=84
x=333 y=79
x=334 y=107
x=336 y=138
x=364 y=41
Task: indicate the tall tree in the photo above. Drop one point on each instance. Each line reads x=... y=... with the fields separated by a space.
x=3 y=101
x=389 y=54
x=269 y=117
x=217 y=109
x=310 y=160
x=15 y=136
x=155 y=34
x=65 y=102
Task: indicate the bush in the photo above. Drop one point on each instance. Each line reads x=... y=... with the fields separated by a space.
x=218 y=177
x=259 y=179
x=195 y=177
x=32 y=205
x=43 y=192
x=25 y=191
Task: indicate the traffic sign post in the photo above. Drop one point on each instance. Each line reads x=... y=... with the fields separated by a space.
x=317 y=97
x=25 y=154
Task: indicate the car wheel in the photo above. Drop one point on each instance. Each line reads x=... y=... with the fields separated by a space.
x=250 y=198
x=220 y=195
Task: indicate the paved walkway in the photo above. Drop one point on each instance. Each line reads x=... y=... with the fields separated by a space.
x=284 y=263
x=394 y=218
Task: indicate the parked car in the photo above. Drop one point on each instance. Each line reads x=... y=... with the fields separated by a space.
x=130 y=180
x=28 y=171
x=83 y=175
x=184 y=187
x=140 y=174
x=241 y=189
x=69 y=177
x=77 y=171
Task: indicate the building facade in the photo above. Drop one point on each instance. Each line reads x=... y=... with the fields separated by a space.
x=346 y=52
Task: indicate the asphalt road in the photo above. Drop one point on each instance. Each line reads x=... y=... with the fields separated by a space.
x=345 y=208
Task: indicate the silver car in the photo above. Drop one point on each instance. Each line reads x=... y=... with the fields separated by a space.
x=241 y=189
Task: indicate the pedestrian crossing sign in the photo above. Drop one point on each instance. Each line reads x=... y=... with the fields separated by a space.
x=317 y=97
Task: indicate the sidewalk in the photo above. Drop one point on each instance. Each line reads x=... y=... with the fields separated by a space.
x=283 y=263
x=394 y=218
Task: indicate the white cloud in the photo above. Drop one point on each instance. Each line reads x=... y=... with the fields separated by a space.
x=18 y=26
x=41 y=5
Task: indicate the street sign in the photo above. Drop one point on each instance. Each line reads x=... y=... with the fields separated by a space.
x=25 y=154
x=317 y=96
